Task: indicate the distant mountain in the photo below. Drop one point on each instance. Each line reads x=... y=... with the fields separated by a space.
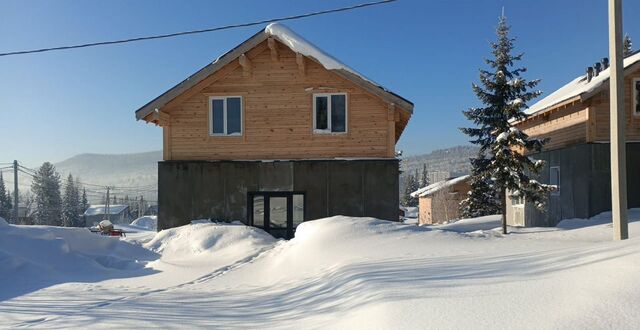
x=131 y=175
x=441 y=164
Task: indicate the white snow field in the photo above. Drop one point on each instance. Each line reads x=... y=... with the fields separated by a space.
x=337 y=272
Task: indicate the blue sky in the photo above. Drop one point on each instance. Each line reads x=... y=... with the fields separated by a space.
x=55 y=105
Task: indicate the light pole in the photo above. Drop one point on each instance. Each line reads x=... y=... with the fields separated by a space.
x=617 y=122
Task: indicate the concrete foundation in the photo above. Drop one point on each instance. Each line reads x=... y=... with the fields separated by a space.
x=218 y=189
x=585 y=185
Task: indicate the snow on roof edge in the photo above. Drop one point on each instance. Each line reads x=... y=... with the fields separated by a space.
x=434 y=187
x=577 y=87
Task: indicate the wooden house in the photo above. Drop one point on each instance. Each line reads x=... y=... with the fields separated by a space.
x=439 y=202
x=276 y=132
x=575 y=120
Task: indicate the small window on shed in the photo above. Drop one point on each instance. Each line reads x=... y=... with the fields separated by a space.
x=554 y=179
x=636 y=96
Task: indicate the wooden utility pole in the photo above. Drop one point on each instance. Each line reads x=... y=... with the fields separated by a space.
x=617 y=115
x=106 y=205
x=16 y=214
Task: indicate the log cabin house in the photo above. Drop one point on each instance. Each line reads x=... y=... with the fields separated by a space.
x=439 y=202
x=575 y=119
x=276 y=132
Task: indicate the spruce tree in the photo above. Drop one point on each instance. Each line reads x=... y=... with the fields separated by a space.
x=424 y=178
x=84 y=202
x=71 y=204
x=47 y=200
x=482 y=198
x=5 y=200
x=505 y=94
x=626 y=46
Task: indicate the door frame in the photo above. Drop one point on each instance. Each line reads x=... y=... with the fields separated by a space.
x=266 y=205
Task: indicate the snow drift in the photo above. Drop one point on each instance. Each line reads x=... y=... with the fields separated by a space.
x=33 y=257
x=148 y=222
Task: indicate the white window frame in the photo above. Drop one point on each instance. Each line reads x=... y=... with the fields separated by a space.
x=635 y=96
x=346 y=113
x=556 y=192
x=224 y=115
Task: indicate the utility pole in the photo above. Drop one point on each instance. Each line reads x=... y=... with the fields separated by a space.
x=106 y=205
x=15 y=192
x=618 y=122
x=140 y=213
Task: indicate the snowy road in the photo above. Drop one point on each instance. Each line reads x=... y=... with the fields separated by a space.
x=346 y=273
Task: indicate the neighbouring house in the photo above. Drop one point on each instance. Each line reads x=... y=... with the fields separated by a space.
x=575 y=119
x=439 y=202
x=117 y=214
x=276 y=132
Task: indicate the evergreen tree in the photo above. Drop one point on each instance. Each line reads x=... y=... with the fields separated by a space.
x=71 y=204
x=482 y=199
x=626 y=46
x=47 y=200
x=424 y=179
x=5 y=201
x=84 y=202
x=505 y=93
x=411 y=186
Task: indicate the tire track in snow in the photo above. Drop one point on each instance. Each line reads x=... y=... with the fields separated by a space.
x=108 y=302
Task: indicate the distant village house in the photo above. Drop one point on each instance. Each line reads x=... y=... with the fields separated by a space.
x=117 y=214
x=439 y=202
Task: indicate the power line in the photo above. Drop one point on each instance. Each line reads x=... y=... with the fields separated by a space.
x=177 y=34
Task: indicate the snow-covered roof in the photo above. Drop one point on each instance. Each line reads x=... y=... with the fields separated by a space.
x=297 y=44
x=300 y=45
x=579 y=87
x=435 y=187
x=100 y=209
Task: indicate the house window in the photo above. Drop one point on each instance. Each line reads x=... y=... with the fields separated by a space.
x=225 y=115
x=554 y=179
x=517 y=200
x=636 y=96
x=330 y=113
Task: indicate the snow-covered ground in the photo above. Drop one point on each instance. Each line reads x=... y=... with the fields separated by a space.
x=337 y=272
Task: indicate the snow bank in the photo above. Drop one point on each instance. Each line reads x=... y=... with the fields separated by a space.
x=3 y=222
x=32 y=257
x=148 y=222
x=198 y=243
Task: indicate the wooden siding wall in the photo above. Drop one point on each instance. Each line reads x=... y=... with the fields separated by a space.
x=277 y=114
x=583 y=122
x=562 y=127
x=601 y=105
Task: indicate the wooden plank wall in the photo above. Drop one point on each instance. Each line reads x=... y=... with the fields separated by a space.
x=584 y=122
x=601 y=104
x=562 y=127
x=277 y=117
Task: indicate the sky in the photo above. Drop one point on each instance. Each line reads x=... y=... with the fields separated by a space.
x=59 y=104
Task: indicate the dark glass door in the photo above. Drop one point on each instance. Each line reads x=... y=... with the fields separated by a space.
x=278 y=213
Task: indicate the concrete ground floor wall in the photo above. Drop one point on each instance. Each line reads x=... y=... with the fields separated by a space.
x=585 y=185
x=218 y=189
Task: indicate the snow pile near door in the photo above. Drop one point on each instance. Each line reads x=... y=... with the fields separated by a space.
x=201 y=243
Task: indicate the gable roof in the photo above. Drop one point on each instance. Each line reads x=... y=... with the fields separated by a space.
x=435 y=187
x=297 y=44
x=581 y=89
